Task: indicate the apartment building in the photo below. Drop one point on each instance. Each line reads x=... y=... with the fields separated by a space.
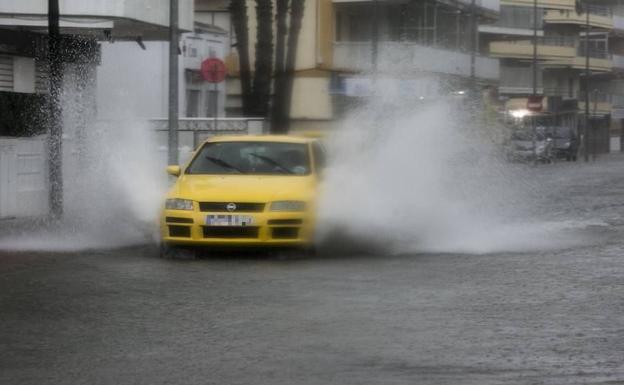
x=425 y=45
x=563 y=33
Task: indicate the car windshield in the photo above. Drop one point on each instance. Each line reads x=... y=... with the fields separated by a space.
x=257 y=158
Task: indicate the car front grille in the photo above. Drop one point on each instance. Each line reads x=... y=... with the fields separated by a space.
x=230 y=232
x=285 y=221
x=219 y=207
x=178 y=220
x=285 y=232
x=179 y=231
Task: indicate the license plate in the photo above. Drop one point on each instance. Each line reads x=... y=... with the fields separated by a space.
x=229 y=220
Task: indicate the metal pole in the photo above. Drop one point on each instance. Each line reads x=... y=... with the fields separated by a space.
x=215 y=109
x=375 y=35
x=534 y=117
x=593 y=147
x=473 y=46
x=173 y=83
x=55 y=136
x=586 y=128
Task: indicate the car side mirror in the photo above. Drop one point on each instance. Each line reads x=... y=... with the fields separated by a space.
x=173 y=170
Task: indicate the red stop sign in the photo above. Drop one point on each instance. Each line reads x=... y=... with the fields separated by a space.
x=213 y=70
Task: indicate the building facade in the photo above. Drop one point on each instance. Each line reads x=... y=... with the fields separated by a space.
x=428 y=43
x=574 y=44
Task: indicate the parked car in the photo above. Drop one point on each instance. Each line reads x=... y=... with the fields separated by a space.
x=244 y=191
x=565 y=142
x=520 y=147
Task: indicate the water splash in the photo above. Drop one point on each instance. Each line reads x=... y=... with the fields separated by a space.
x=411 y=175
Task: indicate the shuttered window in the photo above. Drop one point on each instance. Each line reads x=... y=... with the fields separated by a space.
x=6 y=73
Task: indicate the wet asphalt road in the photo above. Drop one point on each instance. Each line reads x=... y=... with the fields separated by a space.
x=127 y=317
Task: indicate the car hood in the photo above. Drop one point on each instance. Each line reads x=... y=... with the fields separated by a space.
x=243 y=188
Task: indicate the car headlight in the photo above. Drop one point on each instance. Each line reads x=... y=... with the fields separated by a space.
x=288 y=206
x=179 y=204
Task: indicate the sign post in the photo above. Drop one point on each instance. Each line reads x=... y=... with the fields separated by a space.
x=213 y=71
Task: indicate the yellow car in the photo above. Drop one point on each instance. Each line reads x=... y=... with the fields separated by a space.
x=244 y=191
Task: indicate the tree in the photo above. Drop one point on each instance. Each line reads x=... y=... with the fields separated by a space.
x=280 y=65
x=283 y=89
x=275 y=67
x=264 y=58
x=238 y=9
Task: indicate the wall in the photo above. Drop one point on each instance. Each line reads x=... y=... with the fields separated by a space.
x=23 y=177
x=132 y=82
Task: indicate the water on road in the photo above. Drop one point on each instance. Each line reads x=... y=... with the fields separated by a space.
x=525 y=315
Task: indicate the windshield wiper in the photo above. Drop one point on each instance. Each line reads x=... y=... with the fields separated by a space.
x=273 y=162
x=223 y=164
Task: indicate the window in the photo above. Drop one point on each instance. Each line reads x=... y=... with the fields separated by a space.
x=212 y=103
x=192 y=103
x=259 y=158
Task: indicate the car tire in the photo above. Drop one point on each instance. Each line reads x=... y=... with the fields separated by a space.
x=175 y=252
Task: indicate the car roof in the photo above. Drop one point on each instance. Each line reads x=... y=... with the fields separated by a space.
x=259 y=138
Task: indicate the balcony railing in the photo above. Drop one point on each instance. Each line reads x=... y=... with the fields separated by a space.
x=596 y=9
x=408 y=56
x=618 y=61
x=593 y=52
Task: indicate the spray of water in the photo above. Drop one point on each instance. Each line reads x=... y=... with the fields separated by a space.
x=114 y=178
x=414 y=174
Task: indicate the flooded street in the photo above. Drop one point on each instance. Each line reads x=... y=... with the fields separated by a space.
x=555 y=316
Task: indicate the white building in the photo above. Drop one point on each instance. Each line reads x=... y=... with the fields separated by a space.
x=24 y=80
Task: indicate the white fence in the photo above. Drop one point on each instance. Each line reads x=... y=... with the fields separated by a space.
x=23 y=177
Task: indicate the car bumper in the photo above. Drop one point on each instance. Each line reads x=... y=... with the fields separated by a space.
x=268 y=229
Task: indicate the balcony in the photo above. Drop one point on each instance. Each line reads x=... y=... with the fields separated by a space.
x=551 y=4
x=399 y=57
x=552 y=52
x=548 y=48
x=599 y=60
x=599 y=17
